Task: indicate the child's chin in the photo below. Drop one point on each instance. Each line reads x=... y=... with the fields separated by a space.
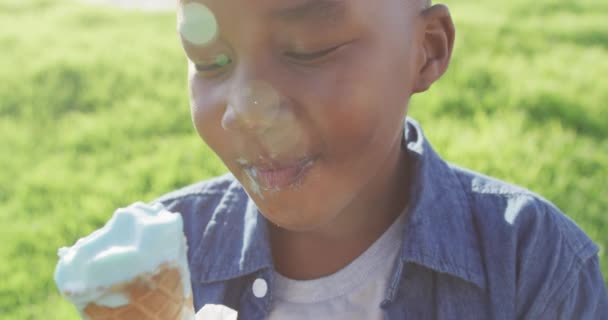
x=295 y=221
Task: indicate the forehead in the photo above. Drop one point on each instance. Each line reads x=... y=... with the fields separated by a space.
x=297 y=5
x=247 y=21
x=310 y=10
x=280 y=11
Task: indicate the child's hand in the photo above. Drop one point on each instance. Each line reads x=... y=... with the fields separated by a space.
x=215 y=312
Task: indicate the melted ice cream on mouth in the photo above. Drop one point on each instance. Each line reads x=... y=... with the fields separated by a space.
x=259 y=109
x=136 y=240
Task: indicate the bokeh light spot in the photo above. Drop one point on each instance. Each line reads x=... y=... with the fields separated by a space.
x=222 y=60
x=196 y=23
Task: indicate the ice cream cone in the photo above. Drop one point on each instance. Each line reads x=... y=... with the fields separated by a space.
x=151 y=297
x=133 y=268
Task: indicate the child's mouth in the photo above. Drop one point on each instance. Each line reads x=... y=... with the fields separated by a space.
x=279 y=176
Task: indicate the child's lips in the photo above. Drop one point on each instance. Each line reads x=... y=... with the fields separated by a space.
x=278 y=176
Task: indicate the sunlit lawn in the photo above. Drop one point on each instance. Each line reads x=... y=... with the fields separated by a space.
x=94 y=115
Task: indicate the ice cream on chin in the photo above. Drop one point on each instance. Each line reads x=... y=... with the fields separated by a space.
x=135 y=263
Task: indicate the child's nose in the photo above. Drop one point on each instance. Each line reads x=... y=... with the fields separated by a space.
x=253 y=106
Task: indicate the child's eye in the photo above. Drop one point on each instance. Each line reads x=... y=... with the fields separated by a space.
x=311 y=56
x=220 y=62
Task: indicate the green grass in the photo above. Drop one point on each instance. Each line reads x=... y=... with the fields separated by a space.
x=94 y=115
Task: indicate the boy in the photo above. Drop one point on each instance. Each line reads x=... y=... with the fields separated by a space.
x=335 y=207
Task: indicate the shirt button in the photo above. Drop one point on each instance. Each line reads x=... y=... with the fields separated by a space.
x=260 y=288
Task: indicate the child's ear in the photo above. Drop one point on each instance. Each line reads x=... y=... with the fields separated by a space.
x=437 y=45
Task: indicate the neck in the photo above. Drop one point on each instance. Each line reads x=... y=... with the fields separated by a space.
x=314 y=254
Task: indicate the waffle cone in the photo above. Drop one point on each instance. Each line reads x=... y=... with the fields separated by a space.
x=157 y=297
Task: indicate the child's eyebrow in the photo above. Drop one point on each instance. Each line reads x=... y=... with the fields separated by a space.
x=312 y=11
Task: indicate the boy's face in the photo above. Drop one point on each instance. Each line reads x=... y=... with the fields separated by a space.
x=303 y=100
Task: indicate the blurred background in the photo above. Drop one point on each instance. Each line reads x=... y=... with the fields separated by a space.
x=94 y=115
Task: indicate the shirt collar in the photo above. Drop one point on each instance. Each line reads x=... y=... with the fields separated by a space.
x=439 y=234
x=234 y=242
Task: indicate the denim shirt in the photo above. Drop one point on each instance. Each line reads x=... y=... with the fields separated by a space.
x=474 y=248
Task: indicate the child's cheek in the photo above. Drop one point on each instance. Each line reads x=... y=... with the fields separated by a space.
x=206 y=112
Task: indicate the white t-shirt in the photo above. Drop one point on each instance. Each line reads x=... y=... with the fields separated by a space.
x=355 y=292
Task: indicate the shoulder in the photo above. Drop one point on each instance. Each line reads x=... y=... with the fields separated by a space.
x=207 y=205
x=225 y=235
x=527 y=241
x=203 y=198
x=523 y=214
x=200 y=202
x=210 y=188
